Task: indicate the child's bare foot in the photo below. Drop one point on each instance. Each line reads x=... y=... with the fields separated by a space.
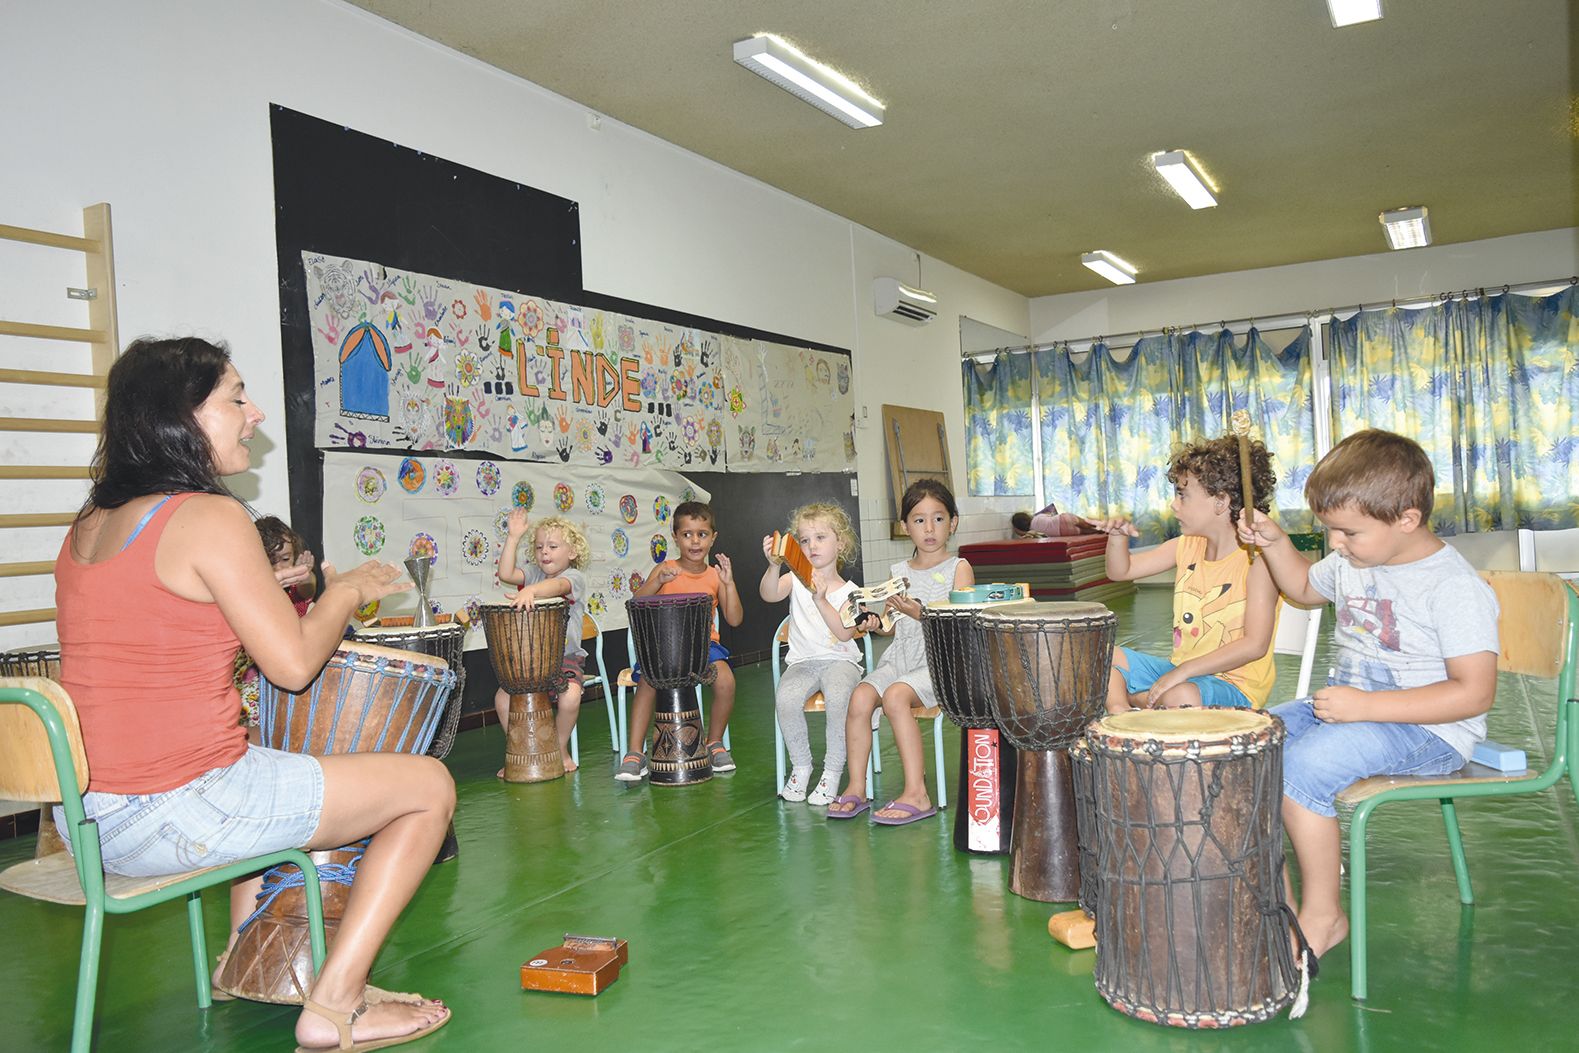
x=570 y=765
x=378 y=1020
x=499 y=774
x=1325 y=932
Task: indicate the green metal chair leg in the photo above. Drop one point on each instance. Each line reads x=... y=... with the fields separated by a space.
x=1357 y=904
x=87 y=978
x=314 y=913
x=194 y=922
x=1455 y=842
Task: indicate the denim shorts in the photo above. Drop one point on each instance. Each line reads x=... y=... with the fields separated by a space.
x=266 y=801
x=1145 y=670
x=716 y=652
x=1320 y=760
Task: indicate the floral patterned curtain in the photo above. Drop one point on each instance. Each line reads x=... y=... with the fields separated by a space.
x=1109 y=424
x=998 y=443
x=1488 y=386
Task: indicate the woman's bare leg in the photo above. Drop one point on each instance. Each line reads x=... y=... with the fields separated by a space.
x=405 y=802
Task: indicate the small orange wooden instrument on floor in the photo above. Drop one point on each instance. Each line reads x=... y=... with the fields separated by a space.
x=581 y=965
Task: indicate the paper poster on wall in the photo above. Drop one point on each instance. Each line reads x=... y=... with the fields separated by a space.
x=454 y=512
x=413 y=361
x=787 y=408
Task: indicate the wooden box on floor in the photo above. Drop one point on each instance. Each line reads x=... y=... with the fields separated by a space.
x=581 y=965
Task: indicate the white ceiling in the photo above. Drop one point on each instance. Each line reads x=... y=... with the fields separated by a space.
x=1018 y=131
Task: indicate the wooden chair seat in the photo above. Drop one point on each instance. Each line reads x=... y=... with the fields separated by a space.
x=54 y=880
x=626 y=678
x=1469 y=774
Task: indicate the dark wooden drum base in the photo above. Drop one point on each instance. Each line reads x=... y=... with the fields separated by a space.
x=1046 y=857
x=679 y=756
x=984 y=811
x=531 y=746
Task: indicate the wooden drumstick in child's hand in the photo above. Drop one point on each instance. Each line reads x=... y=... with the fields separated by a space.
x=1240 y=422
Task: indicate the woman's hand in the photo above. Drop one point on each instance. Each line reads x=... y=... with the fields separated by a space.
x=292 y=574
x=373 y=580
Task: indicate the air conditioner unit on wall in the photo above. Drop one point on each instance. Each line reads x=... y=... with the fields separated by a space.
x=892 y=298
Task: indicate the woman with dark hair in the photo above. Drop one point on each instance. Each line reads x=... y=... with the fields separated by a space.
x=160 y=579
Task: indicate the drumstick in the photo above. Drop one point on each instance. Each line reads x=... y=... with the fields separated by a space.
x=1240 y=423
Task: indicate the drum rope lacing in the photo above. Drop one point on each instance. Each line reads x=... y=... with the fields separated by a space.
x=287 y=876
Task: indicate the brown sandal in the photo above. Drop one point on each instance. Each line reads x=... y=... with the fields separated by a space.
x=343 y=1024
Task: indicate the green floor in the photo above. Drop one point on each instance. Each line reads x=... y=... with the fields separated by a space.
x=757 y=925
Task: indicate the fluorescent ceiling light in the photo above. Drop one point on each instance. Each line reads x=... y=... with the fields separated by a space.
x=809 y=80
x=1115 y=270
x=1178 y=168
x=1407 y=228
x=1349 y=12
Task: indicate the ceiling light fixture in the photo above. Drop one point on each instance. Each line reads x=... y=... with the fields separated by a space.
x=809 y=80
x=1115 y=270
x=1179 y=169
x=1407 y=228
x=1350 y=12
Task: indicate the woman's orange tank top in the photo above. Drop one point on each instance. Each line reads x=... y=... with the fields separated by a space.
x=149 y=671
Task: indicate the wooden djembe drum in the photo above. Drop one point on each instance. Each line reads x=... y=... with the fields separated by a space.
x=1048 y=665
x=527 y=649
x=1192 y=927
x=988 y=769
x=366 y=699
x=671 y=634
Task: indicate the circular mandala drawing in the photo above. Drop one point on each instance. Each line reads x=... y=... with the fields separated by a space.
x=475 y=548
x=628 y=508
x=688 y=494
x=715 y=433
x=368 y=535
x=423 y=547
x=635 y=581
x=474 y=609
x=594 y=498
x=446 y=479
x=367 y=612
x=596 y=604
x=621 y=543
x=660 y=508
x=501 y=524
x=564 y=497
x=522 y=497
x=488 y=478
x=617 y=583
x=370 y=484
x=659 y=548
x=412 y=475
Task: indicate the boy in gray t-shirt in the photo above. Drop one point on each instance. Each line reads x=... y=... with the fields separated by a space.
x=1416 y=636
x=559 y=552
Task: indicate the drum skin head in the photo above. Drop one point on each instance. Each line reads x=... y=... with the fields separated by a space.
x=1181 y=725
x=1052 y=610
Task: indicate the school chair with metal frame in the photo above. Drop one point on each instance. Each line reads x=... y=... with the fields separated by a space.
x=591 y=630
x=1298 y=632
x=627 y=680
x=1538 y=629
x=814 y=704
x=42 y=758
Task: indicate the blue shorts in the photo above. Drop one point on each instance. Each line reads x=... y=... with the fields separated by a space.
x=716 y=652
x=1320 y=760
x=1145 y=670
x=266 y=801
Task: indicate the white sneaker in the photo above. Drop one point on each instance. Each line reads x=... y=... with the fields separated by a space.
x=826 y=788
x=795 y=786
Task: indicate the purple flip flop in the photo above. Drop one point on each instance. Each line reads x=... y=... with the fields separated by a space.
x=912 y=814
x=861 y=805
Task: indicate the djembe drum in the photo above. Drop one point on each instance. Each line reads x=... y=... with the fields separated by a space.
x=1192 y=927
x=527 y=649
x=957 y=660
x=1049 y=665
x=44 y=662
x=671 y=634
x=366 y=699
x=446 y=641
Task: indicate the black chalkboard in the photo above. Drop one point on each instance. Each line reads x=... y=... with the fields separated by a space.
x=341 y=192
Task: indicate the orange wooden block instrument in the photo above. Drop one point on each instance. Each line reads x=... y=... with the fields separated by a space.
x=788 y=549
x=581 y=965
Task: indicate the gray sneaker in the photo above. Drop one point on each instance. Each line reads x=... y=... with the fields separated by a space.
x=633 y=768
x=721 y=759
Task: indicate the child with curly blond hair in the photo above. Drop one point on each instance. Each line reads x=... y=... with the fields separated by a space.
x=822 y=654
x=1224 y=605
x=560 y=553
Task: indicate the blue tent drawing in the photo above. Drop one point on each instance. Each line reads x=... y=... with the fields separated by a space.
x=364 y=374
